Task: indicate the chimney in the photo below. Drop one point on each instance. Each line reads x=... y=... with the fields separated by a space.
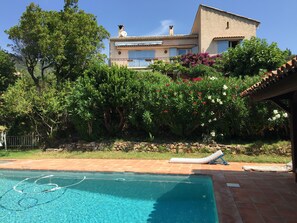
x=121 y=29
x=171 y=31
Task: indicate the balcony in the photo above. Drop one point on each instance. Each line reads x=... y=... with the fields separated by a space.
x=136 y=63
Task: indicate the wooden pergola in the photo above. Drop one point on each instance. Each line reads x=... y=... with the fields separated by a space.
x=280 y=86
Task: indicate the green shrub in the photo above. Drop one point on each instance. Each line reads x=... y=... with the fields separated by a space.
x=252 y=56
x=173 y=69
x=104 y=94
x=202 y=70
x=44 y=111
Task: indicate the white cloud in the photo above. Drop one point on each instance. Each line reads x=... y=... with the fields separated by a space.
x=163 y=28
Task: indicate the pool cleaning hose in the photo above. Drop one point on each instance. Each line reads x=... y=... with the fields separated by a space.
x=55 y=186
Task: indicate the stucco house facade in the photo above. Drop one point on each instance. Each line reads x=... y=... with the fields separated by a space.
x=213 y=31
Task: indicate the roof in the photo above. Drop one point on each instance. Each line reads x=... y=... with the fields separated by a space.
x=272 y=78
x=138 y=43
x=230 y=13
x=227 y=37
x=142 y=38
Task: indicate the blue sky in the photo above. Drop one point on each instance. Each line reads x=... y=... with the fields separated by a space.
x=154 y=16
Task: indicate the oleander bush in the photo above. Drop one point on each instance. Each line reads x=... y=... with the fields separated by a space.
x=103 y=95
x=201 y=70
x=208 y=106
x=109 y=101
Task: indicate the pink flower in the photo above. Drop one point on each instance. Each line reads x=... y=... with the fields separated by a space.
x=196 y=79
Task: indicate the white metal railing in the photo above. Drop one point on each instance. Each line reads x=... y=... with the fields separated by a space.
x=28 y=141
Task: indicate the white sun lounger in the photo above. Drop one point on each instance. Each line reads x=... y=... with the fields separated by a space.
x=213 y=158
x=284 y=168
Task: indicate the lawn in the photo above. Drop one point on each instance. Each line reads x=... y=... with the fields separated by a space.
x=38 y=154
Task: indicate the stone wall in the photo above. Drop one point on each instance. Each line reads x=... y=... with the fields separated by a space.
x=176 y=147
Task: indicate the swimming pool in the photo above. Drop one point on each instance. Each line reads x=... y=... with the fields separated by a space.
x=36 y=196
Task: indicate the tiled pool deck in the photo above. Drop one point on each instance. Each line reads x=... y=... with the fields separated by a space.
x=262 y=197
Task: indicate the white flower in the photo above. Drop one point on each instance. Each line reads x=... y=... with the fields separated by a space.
x=270 y=119
x=285 y=115
x=224 y=93
x=209 y=97
x=213 y=133
x=278 y=116
x=209 y=121
x=212 y=113
x=213 y=78
x=214 y=119
x=273 y=118
x=213 y=101
x=225 y=87
x=275 y=112
x=219 y=101
x=202 y=124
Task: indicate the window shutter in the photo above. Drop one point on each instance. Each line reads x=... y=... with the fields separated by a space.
x=172 y=52
x=223 y=46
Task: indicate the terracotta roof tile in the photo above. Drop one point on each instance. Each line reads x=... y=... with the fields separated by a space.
x=133 y=38
x=228 y=37
x=272 y=77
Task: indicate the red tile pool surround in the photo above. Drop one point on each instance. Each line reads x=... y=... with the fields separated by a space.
x=262 y=197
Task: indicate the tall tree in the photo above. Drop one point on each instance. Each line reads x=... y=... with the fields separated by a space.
x=7 y=71
x=64 y=41
x=77 y=38
x=70 y=3
x=29 y=37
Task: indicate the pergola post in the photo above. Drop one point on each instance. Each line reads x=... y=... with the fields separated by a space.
x=293 y=131
x=280 y=85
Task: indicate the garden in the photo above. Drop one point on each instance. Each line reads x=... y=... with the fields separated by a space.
x=57 y=85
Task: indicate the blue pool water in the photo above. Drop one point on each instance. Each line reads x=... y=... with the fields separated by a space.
x=35 y=196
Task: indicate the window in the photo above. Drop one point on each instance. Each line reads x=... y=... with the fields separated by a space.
x=223 y=45
x=172 y=52
x=228 y=25
x=183 y=51
x=195 y=49
x=233 y=44
x=140 y=58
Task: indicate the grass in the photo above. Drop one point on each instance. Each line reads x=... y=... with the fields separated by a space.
x=38 y=154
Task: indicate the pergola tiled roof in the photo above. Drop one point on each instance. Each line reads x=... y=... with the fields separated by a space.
x=280 y=86
x=274 y=77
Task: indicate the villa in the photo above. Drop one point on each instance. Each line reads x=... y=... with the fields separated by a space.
x=213 y=31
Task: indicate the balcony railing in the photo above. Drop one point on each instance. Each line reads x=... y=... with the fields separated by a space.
x=137 y=62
